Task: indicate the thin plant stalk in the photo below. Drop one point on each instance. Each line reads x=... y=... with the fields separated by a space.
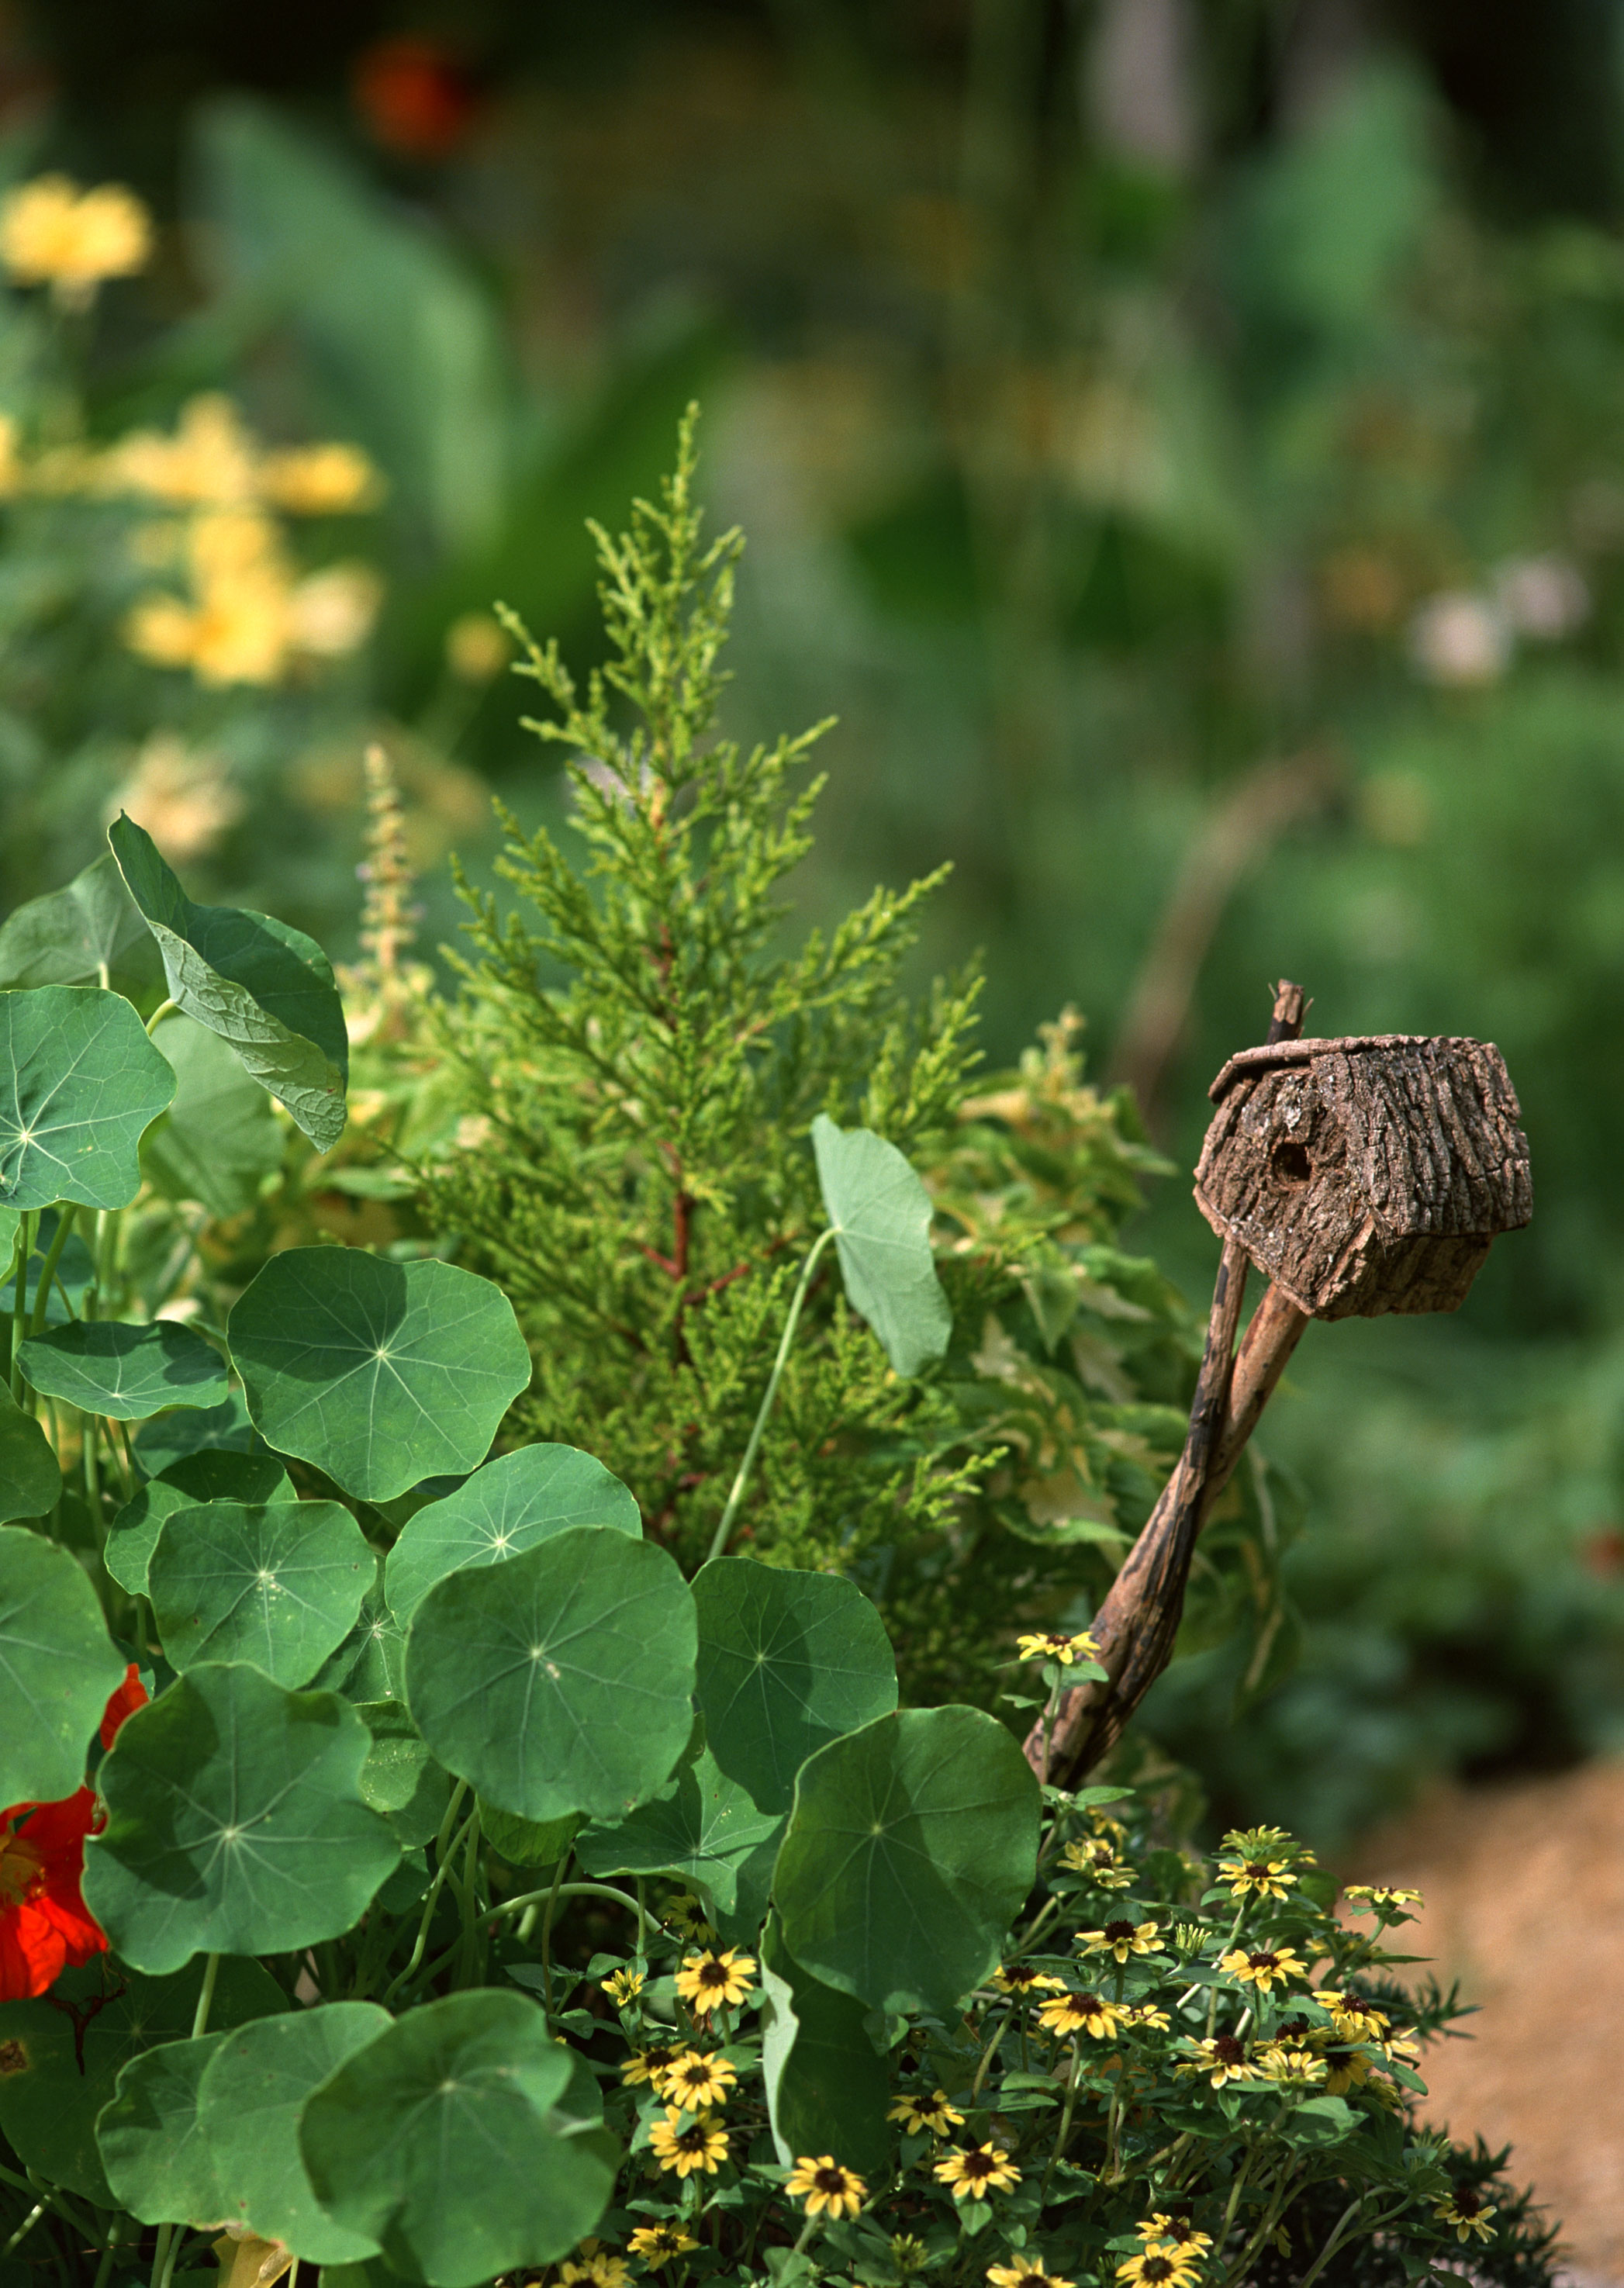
x=724 y=1532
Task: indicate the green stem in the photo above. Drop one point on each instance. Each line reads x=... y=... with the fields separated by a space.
x=468 y=1968
x=164 y=1009
x=446 y=1856
x=1333 y=2243
x=108 y=2252
x=1063 y=2133
x=988 y=2054
x=20 y=1297
x=724 y=1532
x=560 y=1890
x=16 y=1274
x=161 y=2266
x=205 y=1999
x=560 y=1872
x=25 y=2228
x=48 y=1271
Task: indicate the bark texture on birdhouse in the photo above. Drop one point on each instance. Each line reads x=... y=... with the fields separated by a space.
x=1366 y=1175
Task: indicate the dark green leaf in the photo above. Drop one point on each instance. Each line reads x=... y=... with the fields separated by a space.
x=445 y=2140
x=29 y=1478
x=153 y=2148
x=57 y=1666
x=509 y=1505
x=235 y=1822
x=400 y=1777
x=72 y=1276
x=263 y=987
x=561 y=1681
x=826 y=2090
x=69 y=936
x=204 y=1430
x=279 y=1584
x=527 y=1842
x=788 y=1662
x=79 y=1082
x=881 y=1212
x=911 y=1848
x=218 y=1140
x=370 y=1663
x=103 y=1366
x=380 y=1373
x=701 y=1828
x=214 y=1474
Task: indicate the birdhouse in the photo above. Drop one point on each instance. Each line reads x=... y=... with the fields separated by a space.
x=1368 y=1175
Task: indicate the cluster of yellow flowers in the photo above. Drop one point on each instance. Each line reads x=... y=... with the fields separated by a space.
x=52 y=233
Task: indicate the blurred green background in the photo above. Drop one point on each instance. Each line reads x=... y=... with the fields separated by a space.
x=1182 y=441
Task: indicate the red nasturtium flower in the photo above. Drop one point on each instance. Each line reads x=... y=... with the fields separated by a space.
x=44 y=1924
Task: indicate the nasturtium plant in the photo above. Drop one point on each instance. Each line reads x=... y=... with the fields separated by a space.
x=881 y=1214
x=219 y=1143
x=76 y=935
x=57 y=1668
x=210 y=1473
x=79 y=1084
x=29 y=1478
x=151 y=2137
x=277 y=1583
x=103 y=1366
x=508 y=1505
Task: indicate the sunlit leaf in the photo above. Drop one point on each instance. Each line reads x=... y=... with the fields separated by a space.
x=826 y=2090
x=218 y=1140
x=881 y=1212
x=57 y=1665
x=510 y=1506
x=400 y=1777
x=212 y=1473
x=70 y=935
x=79 y=1082
x=105 y=1366
x=279 y=1584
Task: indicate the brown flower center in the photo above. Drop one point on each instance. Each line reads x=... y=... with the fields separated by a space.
x=1228 y=2051
x=1157 y=2268
x=979 y=2163
x=692 y=2139
x=1255 y=1868
x=712 y=1974
x=1089 y=2005
x=1120 y=1927
x=1264 y=1961
x=1179 y=2228
x=1468 y=2203
x=830 y=2181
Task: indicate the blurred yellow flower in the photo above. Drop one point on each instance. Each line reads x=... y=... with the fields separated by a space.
x=250 y=618
x=477 y=648
x=213 y=459
x=182 y=796
x=52 y=233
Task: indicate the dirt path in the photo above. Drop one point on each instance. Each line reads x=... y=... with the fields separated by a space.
x=1525 y=1891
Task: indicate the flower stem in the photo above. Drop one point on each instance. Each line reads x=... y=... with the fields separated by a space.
x=48 y=1269
x=724 y=1532
x=164 y=1009
x=20 y=1297
x=205 y=1999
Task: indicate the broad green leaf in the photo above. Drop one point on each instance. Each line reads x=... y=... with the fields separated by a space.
x=509 y=1505
x=279 y=1584
x=445 y=2141
x=65 y=2055
x=57 y=1665
x=701 y=1828
x=561 y=1681
x=236 y=1823
x=380 y=1373
x=79 y=1082
x=788 y=1662
x=213 y=1473
x=826 y=2090
x=400 y=1777
x=263 y=987
x=911 y=1846
x=882 y=1212
x=527 y=1842
x=69 y=936
x=196 y=1430
x=106 y=1366
x=370 y=1663
x=29 y=1478
x=153 y=2148
x=251 y=2102
x=218 y=1140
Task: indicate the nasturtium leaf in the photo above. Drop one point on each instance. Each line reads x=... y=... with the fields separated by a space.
x=235 y=1822
x=57 y=1665
x=380 y=1373
x=106 y=1366
x=153 y=2146
x=251 y=2102
x=447 y=2142
x=370 y=1663
x=196 y=1430
x=79 y=1082
x=882 y=1212
x=218 y=1140
x=214 y=1474
x=70 y=935
x=64 y=2054
x=400 y=1777
x=701 y=1828
x=262 y=986
x=788 y=1662
x=29 y=1477
x=828 y=2092
x=527 y=1842
x=509 y=1505
x=279 y=1584
x=911 y=1846
x=560 y=1680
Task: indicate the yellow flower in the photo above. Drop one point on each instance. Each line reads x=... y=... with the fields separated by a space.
x=622 y=1986
x=1345 y=2069
x=1143 y=2014
x=1122 y=1939
x=933 y=2113
x=1352 y=2018
x=1173 y=2226
x=824 y=2186
x=603 y=2268
x=647 y=2065
x=1088 y=2013
x=978 y=2169
x=52 y=233
x=657 y=2244
x=1021 y=1978
x=1469 y=2213
x=1265 y=1968
x=183 y=796
x=329 y=479
x=701 y=2145
x=1222 y=2059
x=1098 y=1857
x=1268 y=1877
x=693 y=2080
x=1402 y=2045
x=1163 y=2267
x=1048 y=1645
x=1280 y=2064
x=1026 y=2271
x=1386 y=1901
x=477 y=648
x=686 y=1915
x=713 y=1981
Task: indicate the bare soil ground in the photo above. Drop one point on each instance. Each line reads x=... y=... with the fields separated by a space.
x=1525 y=1892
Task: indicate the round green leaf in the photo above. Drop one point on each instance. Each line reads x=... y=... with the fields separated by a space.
x=788 y=1662
x=69 y=936
x=252 y=2095
x=911 y=1848
x=262 y=986
x=400 y=1777
x=882 y=1211
x=509 y=1505
x=560 y=1680
x=196 y=1430
x=153 y=2148
x=57 y=1666
x=370 y=1663
x=380 y=1373
x=446 y=2141
x=279 y=1584
x=214 y=1474
x=701 y=1828
x=236 y=1823
x=29 y=1478
x=79 y=1081
x=103 y=1366
x=218 y=1140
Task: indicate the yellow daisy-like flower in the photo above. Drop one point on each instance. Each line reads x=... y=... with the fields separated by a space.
x=657 y=2244
x=622 y=1986
x=1351 y=2018
x=1021 y=1978
x=1222 y=2059
x=647 y=2065
x=1269 y=1878
x=701 y=2145
x=687 y=1917
x=1402 y=2045
x=1345 y=2069
x=1159 y=2267
x=1080 y=2013
x=1174 y=2226
x=602 y=2268
x=1096 y=1857
x=934 y=2113
x=1048 y=1644
x=975 y=2170
x=715 y=1981
x=1145 y=2014
x=1265 y=1968
x=1383 y=1897
x=1024 y=2271
x=1469 y=2213
x=1122 y=1939
x=826 y=2187
x=52 y=233
x=1283 y=2064
x=694 y=2080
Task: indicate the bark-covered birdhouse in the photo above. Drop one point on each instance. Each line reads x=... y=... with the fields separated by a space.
x=1366 y=1175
